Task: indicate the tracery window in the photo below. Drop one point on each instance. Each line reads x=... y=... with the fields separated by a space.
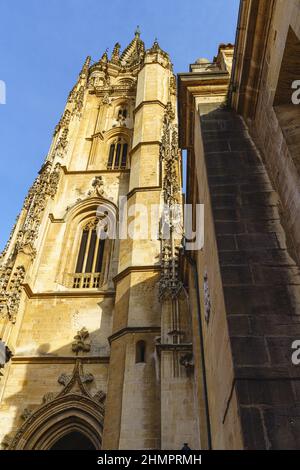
x=89 y=264
x=117 y=158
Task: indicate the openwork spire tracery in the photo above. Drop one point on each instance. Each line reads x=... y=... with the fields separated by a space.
x=170 y=284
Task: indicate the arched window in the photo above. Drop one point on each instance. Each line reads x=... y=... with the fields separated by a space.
x=90 y=257
x=117 y=158
x=140 y=351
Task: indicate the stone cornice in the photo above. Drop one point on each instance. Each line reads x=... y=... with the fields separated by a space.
x=251 y=44
x=133 y=329
x=144 y=189
x=56 y=221
x=59 y=359
x=174 y=347
x=146 y=103
x=135 y=269
x=192 y=85
x=140 y=144
x=74 y=293
x=92 y=172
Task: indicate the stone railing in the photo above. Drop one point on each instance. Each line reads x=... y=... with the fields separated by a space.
x=83 y=280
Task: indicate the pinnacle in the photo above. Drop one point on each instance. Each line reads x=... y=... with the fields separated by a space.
x=137 y=32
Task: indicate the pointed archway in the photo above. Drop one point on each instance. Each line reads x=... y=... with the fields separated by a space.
x=73 y=412
x=73 y=441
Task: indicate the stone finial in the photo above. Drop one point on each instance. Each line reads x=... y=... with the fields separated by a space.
x=85 y=68
x=82 y=342
x=115 y=57
x=104 y=57
x=137 y=32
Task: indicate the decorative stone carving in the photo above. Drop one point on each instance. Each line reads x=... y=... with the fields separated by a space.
x=64 y=379
x=106 y=99
x=92 y=224
x=82 y=342
x=11 y=296
x=64 y=121
x=157 y=49
x=5 y=273
x=99 y=396
x=7 y=441
x=45 y=186
x=78 y=100
x=98 y=187
x=156 y=54
x=115 y=57
x=170 y=283
x=53 y=181
x=173 y=86
x=61 y=145
x=76 y=96
x=8 y=242
x=187 y=361
x=134 y=53
x=48 y=397
x=120 y=121
x=26 y=414
x=75 y=390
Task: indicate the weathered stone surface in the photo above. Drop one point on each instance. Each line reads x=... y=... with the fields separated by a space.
x=70 y=313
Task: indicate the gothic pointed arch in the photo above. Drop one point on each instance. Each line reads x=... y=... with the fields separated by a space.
x=74 y=409
x=116 y=131
x=90 y=233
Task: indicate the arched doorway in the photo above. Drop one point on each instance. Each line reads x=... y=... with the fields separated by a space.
x=72 y=417
x=73 y=441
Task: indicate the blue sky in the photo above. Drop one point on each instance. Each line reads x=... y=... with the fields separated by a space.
x=43 y=44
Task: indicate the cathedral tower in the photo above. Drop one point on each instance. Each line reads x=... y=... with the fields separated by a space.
x=95 y=317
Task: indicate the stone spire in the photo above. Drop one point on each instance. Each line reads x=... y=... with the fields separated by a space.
x=104 y=57
x=157 y=49
x=134 y=52
x=115 y=57
x=85 y=68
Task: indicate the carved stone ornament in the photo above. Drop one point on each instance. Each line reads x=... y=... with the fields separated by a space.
x=10 y=294
x=73 y=108
x=60 y=148
x=26 y=414
x=48 y=397
x=7 y=441
x=82 y=341
x=64 y=121
x=64 y=379
x=173 y=87
x=106 y=99
x=2 y=255
x=44 y=187
x=170 y=284
x=76 y=96
x=97 y=187
x=74 y=392
x=115 y=57
x=187 y=361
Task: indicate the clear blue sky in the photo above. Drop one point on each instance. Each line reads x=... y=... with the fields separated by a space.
x=43 y=44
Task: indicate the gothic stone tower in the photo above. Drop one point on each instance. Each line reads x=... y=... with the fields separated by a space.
x=97 y=327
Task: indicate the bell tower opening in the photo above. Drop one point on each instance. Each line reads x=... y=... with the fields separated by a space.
x=73 y=441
